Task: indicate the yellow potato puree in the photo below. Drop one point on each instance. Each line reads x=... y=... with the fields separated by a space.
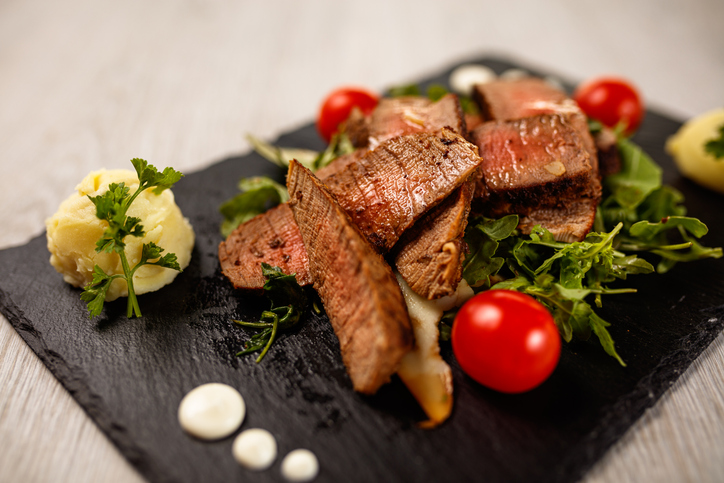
x=74 y=230
x=687 y=149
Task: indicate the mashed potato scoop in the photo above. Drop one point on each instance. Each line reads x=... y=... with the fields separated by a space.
x=73 y=232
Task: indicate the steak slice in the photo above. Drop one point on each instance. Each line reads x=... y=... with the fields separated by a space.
x=359 y=291
x=270 y=237
x=531 y=162
x=400 y=116
x=503 y=100
x=506 y=100
x=568 y=223
x=396 y=183
x=429 y=255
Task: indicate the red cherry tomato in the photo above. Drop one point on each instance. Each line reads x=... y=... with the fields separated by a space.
x=611 y=101
x=506 y=340
x=338 y=105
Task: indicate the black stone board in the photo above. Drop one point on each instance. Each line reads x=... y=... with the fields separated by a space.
x=130 y=375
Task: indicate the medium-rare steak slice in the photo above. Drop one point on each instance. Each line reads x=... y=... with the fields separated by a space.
x=396 y=183
x=568 y=223
x=503 y=100
x=359 y=291
x=506 y=100
x=531 y=162
x=400 y=116
x=429 y=255
x=270 y=237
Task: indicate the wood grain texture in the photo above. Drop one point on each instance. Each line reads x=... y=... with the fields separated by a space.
x=88 y=84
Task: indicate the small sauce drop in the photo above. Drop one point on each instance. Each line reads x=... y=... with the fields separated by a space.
x=255 y=449
x=300 y=465
x=211 y=411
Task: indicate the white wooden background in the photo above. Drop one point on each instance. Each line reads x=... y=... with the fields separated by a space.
x=88 y=84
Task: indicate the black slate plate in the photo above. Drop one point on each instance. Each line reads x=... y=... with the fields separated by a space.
x=129 y=375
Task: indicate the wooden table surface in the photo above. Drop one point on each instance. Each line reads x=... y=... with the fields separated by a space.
x=90 y=84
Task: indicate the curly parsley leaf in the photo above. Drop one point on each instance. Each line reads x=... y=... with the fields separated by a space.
x=715 y=146
x=288 y=303
x=112 y=207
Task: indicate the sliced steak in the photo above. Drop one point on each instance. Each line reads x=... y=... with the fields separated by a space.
x=396 y=183
x=359 y=291
x=609 y=159
x=531 y=162
x=506 y=100
x=270 y=237
x=429 y=255
x=385 y=191
x=401 y=116
x=567 y=223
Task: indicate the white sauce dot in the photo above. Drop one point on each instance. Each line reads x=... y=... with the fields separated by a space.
x=466 y=76
x=514 y=74
x=211 y=411
x=255 y=449
x=300 y=465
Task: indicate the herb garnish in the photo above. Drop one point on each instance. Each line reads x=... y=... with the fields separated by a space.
x=112 y=207
x=288 y=303
x=715 y=146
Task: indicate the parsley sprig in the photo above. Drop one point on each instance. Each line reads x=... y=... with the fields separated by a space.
x=112 y=207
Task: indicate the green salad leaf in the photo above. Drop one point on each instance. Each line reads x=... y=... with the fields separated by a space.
x=259 y=193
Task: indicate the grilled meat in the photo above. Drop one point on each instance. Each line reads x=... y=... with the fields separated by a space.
x=401 y=116
x=270 y=237
x=358 y=289
x=396 y=183
x=429 y=255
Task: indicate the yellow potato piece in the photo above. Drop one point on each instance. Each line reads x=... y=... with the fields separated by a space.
x=687 y=149
x=73 y=231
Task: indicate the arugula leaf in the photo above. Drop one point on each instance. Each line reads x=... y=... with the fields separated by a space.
x=639 y=176
x=313 y=160
x=649 y=211
x=259 y=193
x=482 y=236
x=288 y=303
x=715 y=146
x=112 y=207
x=281 y=156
